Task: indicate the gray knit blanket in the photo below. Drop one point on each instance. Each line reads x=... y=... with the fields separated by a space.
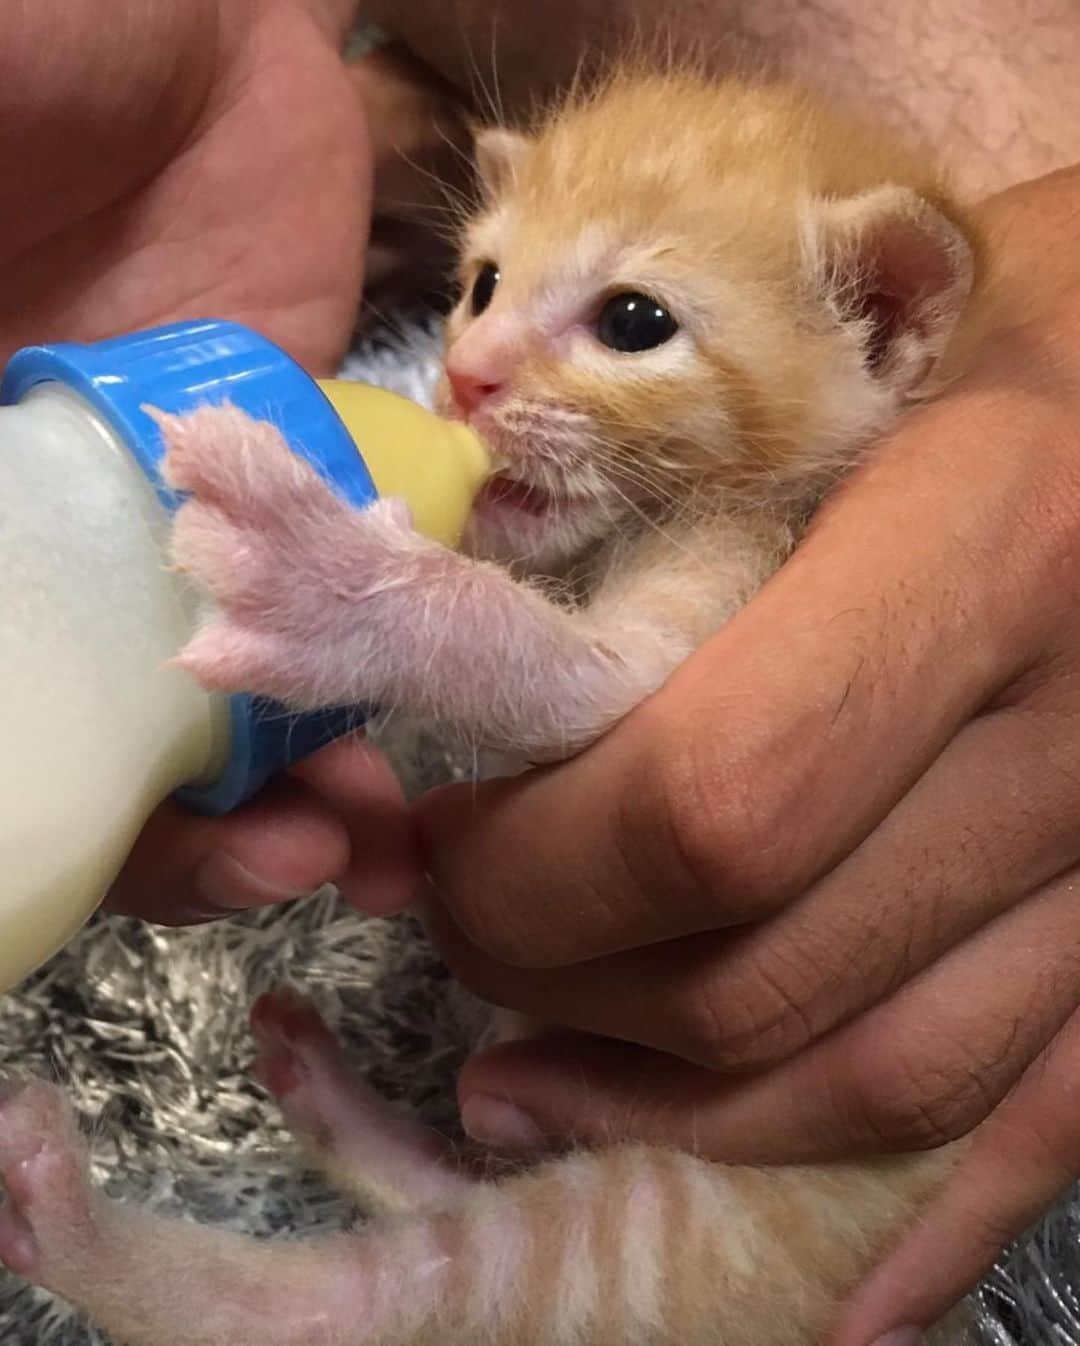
x=147 y=1030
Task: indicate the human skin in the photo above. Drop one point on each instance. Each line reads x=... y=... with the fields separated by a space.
x=775 y=764
x=872 y=772
x=818 y=895
x=990 y=83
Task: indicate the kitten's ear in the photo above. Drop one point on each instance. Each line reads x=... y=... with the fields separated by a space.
x=498 y=153
x=898 y=267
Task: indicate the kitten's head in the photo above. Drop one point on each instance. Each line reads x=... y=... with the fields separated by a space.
x=678 y=289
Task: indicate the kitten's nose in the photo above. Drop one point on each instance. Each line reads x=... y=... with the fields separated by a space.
x=470 y=386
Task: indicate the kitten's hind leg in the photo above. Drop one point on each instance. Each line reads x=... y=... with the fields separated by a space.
x=49 y=1215
x=366 y=1146
x=148 y=1281
x=628 y=1245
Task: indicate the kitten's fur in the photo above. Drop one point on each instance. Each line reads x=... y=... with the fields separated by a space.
x=817 y=274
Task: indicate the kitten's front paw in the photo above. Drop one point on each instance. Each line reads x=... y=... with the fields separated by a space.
x=47 y=1224
x=287 y=563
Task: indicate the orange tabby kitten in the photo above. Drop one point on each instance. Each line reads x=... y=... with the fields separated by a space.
x=688 y=305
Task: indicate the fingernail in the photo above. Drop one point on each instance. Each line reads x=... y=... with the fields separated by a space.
x=493 y=1121
x=901 y=1336
x=224 y=883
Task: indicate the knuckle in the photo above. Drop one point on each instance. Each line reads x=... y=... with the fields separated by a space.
x=752 y=1018
x=722 y=816
x=1044 y=536
x=907 y=1101
x=465 y=936
x=501 y=938
x=712 y=1032
x=582 y=918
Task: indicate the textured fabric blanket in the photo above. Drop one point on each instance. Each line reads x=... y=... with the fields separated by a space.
x=147 y=1029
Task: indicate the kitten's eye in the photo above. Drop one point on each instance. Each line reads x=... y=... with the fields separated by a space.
x=484 y=287
x=634 y=322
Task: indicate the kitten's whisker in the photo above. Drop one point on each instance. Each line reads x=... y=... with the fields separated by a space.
x=451 y=144
x=455 y=197
x=644 y=517
x=488 y=100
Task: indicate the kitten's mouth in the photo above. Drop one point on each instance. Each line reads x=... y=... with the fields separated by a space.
x=505 y=494
x=510 y=493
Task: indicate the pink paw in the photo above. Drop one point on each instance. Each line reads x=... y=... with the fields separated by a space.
x=292 y=1038
x=288 y=564
x=47 y=1215
x=226 y=458
x=301 y=1063
x=251 y=499
x=364 y=1144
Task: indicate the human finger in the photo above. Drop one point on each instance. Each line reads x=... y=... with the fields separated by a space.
x=337 y=817
x=921 y=1069
x=774 y=751
x=185 y=868
x=1024 y=1157
x=383 y=873
x=1007 y=787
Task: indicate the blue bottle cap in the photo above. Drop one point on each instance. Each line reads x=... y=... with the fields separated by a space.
x=177 y=368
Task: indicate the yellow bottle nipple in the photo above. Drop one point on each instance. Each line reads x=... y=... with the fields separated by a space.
x=435 y=464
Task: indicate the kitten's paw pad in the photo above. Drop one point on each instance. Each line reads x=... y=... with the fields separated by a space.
x=284 y=1015
x=19 y=1251
x=262 y=533
x=296 y=574
x=43 y=1167
x=301 y=608
x=250 y=547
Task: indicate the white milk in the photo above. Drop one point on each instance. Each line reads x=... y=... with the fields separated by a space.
x=94 y=730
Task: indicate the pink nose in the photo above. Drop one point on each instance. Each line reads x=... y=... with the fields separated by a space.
x=469 y=387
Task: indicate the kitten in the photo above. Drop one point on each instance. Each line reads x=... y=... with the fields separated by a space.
x=688 y=306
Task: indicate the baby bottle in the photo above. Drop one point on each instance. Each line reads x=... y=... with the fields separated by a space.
x=97 y=730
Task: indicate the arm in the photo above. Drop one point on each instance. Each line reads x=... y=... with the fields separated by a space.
x=992 y=82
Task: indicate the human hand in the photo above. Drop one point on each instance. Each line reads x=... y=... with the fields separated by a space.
x=337 y=817
x=203 y=158
x=822 y=886
x=196 y=159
